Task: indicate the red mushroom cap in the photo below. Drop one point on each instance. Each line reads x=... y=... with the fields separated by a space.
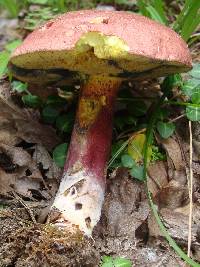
x=144 y=45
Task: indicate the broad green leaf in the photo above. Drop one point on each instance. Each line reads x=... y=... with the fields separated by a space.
x=137 y=172
x=165 y=129
x=11 y=46
x=190 y=86
x=136 y=146
x=59 y=154
x=4 y=58
x=195 y=72
x=65 y=123
x=107 y=259
x=49 y=114
x=121 y=262
x=193 y=113
x=127 y=161
x=32 y=101
x=19 y=86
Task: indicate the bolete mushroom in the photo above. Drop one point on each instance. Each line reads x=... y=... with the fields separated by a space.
x=102 y=49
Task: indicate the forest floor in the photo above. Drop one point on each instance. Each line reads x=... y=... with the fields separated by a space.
x=29 y=179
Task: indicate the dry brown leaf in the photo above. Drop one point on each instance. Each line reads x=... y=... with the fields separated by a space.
x=26 y=179
x=20 y=124
x=125 y=207
x=42 y=156
x=175 y=159
x=157 y=177
x=176 y=224
x=172 y=196
x=174 y=152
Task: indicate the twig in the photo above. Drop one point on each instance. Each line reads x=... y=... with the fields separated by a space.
x=25 y=206
x=177 y=118
x=190 y=183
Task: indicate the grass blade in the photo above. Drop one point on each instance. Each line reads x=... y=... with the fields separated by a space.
x=11 y=6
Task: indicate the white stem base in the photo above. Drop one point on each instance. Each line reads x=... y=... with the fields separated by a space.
x=79 y=199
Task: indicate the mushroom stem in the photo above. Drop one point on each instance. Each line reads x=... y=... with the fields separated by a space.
x=81 y=192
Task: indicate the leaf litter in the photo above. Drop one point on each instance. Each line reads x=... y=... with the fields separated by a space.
x=127 y=227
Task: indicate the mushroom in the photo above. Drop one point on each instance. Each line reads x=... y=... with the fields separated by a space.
x=101 y=49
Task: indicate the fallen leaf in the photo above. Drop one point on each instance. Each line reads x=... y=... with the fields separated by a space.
x=42 y=156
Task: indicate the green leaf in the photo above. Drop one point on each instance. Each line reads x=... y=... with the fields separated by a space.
x=165 y=129
x=65 y=123
x=188 y=19
x=38 y=2
x=49 y=114
x=190 y=86
x=196 y=97
x=154 y=14
x=142 y=7
x=55 y=101
x=137 y=109
x=136 y=146
x=32 y=101
x=19 y=86
x=107 y=259
x=127 y=161
x=163 y=114
x=195 y=72
x=12 y=7
x=159 y=6
x=191 y=20
x=137 y=172
x=193 y=113
x=170 y=82
x=4 y=58
x=11 y=46
x=59 y=154
x=120 y=262
x=107 y=264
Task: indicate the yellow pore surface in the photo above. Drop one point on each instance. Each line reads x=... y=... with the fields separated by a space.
x=93 y=54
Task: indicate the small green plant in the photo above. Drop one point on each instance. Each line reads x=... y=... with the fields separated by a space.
x=39 y=16
x=59 y=154
x=30 y=100
x=108 y=261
